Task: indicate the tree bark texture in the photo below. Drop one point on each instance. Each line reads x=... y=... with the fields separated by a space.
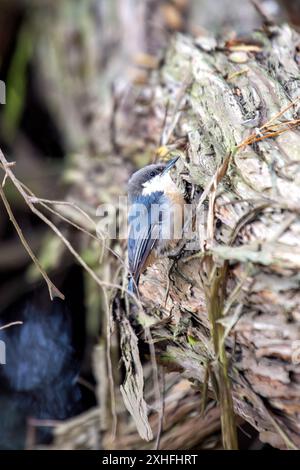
x=216 y=96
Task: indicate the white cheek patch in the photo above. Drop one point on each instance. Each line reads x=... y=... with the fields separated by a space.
x=153 y=185
x=162 y=183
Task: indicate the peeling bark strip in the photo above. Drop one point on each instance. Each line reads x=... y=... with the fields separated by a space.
x=251 y=224
x=133 y=387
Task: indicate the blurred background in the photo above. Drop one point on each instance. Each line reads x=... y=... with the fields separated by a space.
x=69 y=67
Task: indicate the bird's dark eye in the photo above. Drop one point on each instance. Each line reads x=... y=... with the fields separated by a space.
x=152 y=174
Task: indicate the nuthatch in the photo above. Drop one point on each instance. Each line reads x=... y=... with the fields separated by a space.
x=155 y=217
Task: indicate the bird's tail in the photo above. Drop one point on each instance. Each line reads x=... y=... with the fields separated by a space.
x=132 y=285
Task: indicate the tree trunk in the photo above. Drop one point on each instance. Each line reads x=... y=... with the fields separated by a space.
x=240 y=282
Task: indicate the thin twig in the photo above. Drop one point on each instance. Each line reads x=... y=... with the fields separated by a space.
x=8 y=325
x=109 y=366
x=53 y=290
x=161 y=411
x=66 y=242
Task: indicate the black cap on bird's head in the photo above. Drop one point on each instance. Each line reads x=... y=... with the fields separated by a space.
x=142 y=176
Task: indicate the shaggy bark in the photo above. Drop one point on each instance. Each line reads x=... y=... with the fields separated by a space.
x=216 y=95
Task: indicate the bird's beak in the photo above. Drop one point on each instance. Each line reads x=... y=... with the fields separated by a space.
x=170 y=165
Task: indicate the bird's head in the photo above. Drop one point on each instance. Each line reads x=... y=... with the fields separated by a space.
x=150 y=178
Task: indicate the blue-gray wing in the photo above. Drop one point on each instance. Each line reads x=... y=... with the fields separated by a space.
x=144 y=229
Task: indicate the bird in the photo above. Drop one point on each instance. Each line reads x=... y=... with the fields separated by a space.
x=154 y=219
